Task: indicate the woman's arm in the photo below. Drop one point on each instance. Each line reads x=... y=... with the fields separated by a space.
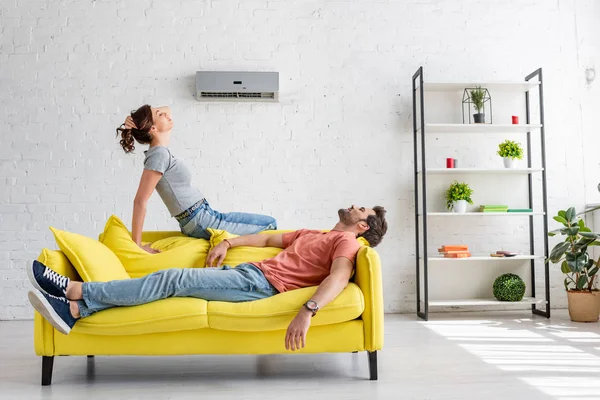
x=148 y=182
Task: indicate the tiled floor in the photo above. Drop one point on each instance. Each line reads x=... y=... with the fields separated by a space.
x=494 y=355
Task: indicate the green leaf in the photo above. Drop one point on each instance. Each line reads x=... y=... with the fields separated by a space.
x=558 y=251
x=562 y=213
x=576 y=261
x=564 y=268
x=554 y=232
x=585 y=229
x=560 y=219
x=572 y=231
x=566 y=285
x=593 y=272
x=581 y=282
x=570 y=214
x=581 y=224
x=591 y=235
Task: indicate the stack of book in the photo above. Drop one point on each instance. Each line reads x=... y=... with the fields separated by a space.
x=455 y=251
x=493 y=208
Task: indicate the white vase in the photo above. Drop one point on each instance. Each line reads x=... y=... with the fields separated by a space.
x=459 y=206
x=510 y=162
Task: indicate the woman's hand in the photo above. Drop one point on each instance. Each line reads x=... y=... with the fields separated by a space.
x=149 y=249
x=129 y=124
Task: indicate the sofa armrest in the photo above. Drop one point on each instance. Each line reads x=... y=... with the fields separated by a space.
x=368 y=278
x=43 y=332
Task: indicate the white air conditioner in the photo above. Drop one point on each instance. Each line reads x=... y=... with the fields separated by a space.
x=237 y=86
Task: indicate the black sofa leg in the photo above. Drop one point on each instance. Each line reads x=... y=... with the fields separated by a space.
x=372 y=365
x=90 y=357
x=47 y=364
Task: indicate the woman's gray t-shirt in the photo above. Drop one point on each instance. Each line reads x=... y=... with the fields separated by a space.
x=175 y=187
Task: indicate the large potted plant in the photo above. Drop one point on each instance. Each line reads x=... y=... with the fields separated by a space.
x=457 y=197
x=576 y=264
x=477 y=97
x=510 y=152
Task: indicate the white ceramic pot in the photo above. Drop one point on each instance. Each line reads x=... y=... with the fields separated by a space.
x=510 y=162
x=459 y=206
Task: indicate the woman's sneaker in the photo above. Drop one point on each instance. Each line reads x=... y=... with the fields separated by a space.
x=55 y=309
x=46 y=280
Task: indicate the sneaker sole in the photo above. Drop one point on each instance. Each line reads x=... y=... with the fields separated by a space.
x=41 y=305
x=32 y=277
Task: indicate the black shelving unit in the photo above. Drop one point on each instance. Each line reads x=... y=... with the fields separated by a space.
x=419 y=132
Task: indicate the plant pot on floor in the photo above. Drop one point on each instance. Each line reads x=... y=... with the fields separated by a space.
x=479 y=118
x=510 y=162
x=459 y=206
x=583 y=305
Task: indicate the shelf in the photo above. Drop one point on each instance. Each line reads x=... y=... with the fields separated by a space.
x=484 y=258
x=480 y=128
x=491 y=86
x=481 y=214
x=479 y=171
x=485 y=302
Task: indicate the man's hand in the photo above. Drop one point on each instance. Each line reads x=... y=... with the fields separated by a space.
x=296 y=331
x=150 y=249
x=129 y=124
x=217 y=253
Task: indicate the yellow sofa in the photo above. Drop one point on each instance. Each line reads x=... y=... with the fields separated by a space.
x=181 y=326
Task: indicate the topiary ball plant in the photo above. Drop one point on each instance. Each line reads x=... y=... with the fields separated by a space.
x=509 y=287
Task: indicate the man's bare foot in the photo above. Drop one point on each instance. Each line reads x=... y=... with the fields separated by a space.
x=74 y=290
x=74 y=309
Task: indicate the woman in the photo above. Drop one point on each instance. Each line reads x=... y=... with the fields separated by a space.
x=173 y=182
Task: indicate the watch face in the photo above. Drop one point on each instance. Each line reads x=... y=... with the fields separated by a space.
x=311 y=304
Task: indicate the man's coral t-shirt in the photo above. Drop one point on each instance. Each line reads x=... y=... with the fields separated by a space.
x=307 y=257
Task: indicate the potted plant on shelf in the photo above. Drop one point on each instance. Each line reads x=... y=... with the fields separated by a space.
x=477 y=97
x=576 y=264
x=457 y=197
x=510 y=152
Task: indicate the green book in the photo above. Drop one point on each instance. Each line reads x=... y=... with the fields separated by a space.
x=520 y=210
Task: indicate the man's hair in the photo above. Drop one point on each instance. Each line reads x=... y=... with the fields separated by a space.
x=377 y=226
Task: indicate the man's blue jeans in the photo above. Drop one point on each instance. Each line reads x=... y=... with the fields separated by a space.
x=243 y=283
x=204 y=217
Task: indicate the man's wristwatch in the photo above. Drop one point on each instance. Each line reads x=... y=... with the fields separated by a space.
x=311 y=306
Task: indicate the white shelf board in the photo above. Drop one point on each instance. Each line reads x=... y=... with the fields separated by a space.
x=481 y=214
x=480 y=128
x=484 y=302
x=491 y=86
x=475 y=257
x=506 y=171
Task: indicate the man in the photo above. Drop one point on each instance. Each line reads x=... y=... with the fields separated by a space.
x=310 y=258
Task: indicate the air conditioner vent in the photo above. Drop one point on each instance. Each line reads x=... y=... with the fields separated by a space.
x=237 y=86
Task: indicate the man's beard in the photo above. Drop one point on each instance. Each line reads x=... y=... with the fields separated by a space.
x=345 y=217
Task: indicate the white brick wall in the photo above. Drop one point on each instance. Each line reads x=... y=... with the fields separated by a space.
x=71 y=70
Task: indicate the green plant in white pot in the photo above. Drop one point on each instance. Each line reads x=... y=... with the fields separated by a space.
x=510 y=152
x=458 y=195
x=575 y=262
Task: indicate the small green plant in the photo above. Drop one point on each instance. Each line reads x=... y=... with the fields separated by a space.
x=458 y=191
x=477 y=96
x=572 y=254
x=509 y=287
x=510 y=149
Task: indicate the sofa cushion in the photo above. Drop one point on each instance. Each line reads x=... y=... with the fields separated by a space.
x=176 y=251
x=276 y=313
x=168 y=315
x=92 y=259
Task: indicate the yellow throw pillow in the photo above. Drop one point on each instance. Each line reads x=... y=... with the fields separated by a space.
x=176 y=251
x=93 y=261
